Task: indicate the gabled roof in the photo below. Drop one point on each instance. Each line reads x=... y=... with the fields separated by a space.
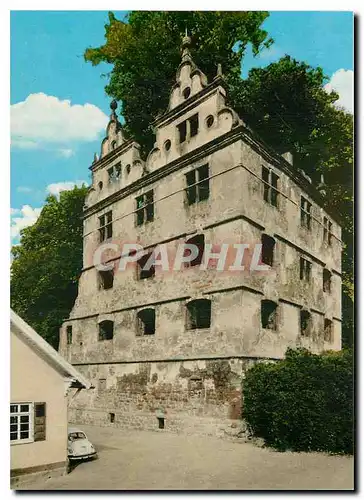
x=46 y=351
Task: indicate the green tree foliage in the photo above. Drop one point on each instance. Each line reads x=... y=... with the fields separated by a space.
x=302 y=403
x=47 y=264
x=145 y=53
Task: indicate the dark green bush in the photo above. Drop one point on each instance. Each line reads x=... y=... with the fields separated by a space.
x=302 y=403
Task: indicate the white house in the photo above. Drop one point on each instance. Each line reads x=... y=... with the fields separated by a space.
x=40 y=383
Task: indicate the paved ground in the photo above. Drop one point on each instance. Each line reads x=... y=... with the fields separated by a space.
x=141 y=460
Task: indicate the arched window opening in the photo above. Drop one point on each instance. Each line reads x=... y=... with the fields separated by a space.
x=146 y=322
x=106 y=330
x=199 y=314
x=269 y=313
x=199 y=242
x=305 y=323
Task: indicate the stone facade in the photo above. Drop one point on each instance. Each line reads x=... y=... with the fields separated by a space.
x=189 y=378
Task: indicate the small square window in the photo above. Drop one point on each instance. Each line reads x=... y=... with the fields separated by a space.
x=106 y=279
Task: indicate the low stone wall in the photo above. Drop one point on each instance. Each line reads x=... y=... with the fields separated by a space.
x=201 y=397
x=201 y=426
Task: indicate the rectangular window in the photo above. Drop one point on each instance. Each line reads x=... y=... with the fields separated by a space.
x=193 y=125
x=270 y=186
x=327 y=230
x=268 y=244
x=21 y=422
x=114 y=172
x=199 y=243
x=198 y=185
x=146 y=270
x=182 y=130
x=326 y=281
x=188 y=128
x=305 y=269
x=69 y=334
x=305 y=213
x=328 y=330
x=106 y=279
x=144 y=208
x=105 y=226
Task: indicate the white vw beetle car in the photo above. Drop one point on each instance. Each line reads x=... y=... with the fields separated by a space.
x=79 y=447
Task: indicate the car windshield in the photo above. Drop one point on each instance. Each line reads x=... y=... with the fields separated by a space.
x=72 y=436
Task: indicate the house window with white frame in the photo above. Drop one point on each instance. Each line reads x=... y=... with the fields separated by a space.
x=21 y=425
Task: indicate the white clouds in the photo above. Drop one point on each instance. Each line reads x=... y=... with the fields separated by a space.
x=342 y=81
x=27 y=217
x=42 y=119
x=57 y=187
x=66 y=153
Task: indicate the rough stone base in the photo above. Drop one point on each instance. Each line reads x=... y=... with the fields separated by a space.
x=202 y=426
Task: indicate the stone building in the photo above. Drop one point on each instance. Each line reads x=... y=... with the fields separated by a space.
x=170 y=349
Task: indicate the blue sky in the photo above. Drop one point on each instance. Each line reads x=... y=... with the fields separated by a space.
x=47 y=61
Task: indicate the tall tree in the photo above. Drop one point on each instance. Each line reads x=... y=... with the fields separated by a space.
x=145 y=52
x=47 y=264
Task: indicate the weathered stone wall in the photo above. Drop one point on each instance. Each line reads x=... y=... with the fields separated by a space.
x=201 y=396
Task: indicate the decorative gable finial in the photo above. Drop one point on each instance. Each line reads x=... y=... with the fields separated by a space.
x=113 y=107
x=186 y=43
x=219 y=70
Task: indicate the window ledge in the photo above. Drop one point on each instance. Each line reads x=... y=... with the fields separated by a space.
x=22 y=441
